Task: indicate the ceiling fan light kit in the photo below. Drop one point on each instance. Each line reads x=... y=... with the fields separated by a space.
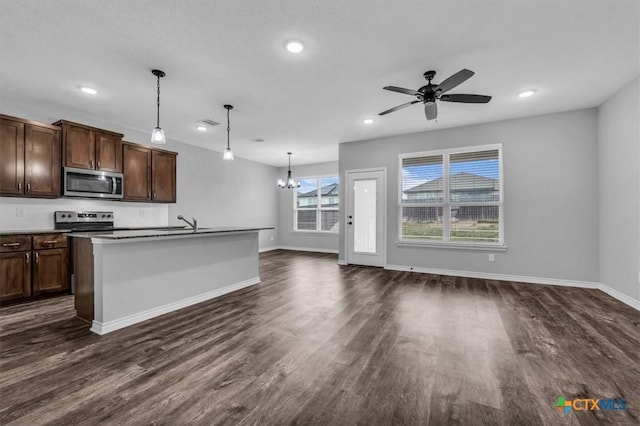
x=430 y=93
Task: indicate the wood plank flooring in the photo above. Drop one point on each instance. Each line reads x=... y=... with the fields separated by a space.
x=318 y=343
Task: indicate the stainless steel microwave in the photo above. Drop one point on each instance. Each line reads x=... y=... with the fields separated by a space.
x=92 y=183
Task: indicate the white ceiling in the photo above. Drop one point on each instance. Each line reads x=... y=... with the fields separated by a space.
x=574 y=53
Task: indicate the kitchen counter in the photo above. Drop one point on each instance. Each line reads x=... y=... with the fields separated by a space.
x=159 y=233
x=124 y=277
x=63 y=231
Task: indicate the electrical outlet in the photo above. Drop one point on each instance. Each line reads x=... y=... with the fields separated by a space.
x=492 y=257
x=19 y=212
x=272 y=238
x=141 y=212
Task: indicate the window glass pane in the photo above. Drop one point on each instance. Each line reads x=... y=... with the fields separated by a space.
x=422 y=222
x=474 y=177
x=307 y=219
x=329 y=192
x=422 y=180
x=364 y=215
x=329 y=220
x=307 y=194
x=475 y=223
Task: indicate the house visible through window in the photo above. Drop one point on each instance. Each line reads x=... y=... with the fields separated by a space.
x=452 y=196
x=316 y=204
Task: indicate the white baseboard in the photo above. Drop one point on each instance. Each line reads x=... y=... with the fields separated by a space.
x=491 y=276
x=628 y=300
x=311 y=249
x=524 y=279
x=108 y=327
x=342 y=262
x=270 y=248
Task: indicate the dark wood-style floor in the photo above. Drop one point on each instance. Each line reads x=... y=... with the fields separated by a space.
x=318 y=343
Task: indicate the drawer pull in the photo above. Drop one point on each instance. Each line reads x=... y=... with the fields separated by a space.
x=49 y=242
x=10 y=244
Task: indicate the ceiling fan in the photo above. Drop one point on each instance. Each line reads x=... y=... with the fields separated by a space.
x=429 y=93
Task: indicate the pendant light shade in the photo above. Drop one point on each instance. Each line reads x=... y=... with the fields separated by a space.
x=289 y=182
x=228 y=154
x=157 y=135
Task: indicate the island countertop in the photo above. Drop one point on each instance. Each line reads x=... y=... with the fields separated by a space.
x=113 y=236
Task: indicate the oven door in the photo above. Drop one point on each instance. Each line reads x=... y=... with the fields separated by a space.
x=92 y=183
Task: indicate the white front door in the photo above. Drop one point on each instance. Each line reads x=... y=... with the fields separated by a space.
x=366 y=208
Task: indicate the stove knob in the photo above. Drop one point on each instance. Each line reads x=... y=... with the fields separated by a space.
x=108 y=215
x=63 y=216
x=103 y=216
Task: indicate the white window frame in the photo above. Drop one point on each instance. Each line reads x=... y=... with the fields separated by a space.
x=318 y=208
x=446 y=205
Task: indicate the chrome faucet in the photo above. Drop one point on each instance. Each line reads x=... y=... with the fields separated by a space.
x=193 y=225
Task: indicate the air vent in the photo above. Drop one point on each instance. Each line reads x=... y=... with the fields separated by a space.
x=210 y=122
x=257 y=140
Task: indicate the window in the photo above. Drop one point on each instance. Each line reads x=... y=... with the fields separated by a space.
x=317 y=210
x=452 y=196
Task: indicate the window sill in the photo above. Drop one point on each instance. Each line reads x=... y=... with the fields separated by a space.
x=454 y=246
x=314 y=232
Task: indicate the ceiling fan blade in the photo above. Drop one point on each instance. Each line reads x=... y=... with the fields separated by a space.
x=402 y=90
x=469 y=99
x=456 y=79
x=430 y=110
x=398 y=107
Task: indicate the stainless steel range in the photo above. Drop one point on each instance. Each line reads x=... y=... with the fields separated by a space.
x=83 y=221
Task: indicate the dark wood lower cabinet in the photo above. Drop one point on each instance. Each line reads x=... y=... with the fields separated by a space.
x=15 y=275
x=33 y=265
x=50 y=271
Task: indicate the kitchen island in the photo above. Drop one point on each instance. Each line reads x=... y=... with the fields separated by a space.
x=125 y=277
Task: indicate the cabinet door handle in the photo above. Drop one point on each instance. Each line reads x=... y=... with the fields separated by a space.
x=26 y=255
x=149 y=195
x=28 y=187
x=154 y=195
x=91 y=163
x=10 y=244
x=19 y=186
x=37 y=257
x=98 y=164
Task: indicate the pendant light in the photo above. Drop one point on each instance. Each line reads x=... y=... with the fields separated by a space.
x=228 y=154
x=157 y=136
x=289 y=182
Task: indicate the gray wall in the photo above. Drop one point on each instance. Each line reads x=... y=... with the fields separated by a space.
x=236 y=193
x=619 y=187
x=304 y=240
x=551 y=195
x=225 y=193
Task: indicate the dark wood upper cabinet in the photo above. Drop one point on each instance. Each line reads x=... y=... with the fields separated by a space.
x=11 y=157
x=149 y=174
x=108 y=152
x=163 y=171
x=137 y=172
x=42 y=161
x=29 y=158
x=86 y=147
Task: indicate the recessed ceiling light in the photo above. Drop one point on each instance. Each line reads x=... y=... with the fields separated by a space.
x=89 y=90
x=368 y=121
x=526 y=93
x=201 y=127
x=295 y=47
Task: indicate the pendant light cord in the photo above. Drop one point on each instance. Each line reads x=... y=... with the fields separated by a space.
x=158 y=112
x=228 y=127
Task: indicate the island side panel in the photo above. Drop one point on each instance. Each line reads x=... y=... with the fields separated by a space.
x=83 y=278
x=148 y=277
